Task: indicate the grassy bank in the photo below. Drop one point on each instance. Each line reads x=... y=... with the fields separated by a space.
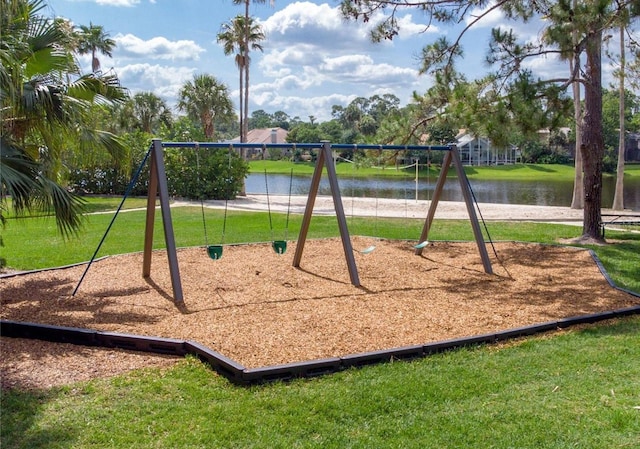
x=523 y=172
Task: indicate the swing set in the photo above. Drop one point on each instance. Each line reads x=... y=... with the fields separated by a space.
x=157 y=188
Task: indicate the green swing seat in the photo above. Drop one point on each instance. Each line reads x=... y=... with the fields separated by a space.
x=421 y=244
x=214 y=251
x=279 y=246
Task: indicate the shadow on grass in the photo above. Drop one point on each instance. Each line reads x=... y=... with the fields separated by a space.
x=621 y=256
x=624 y=326
x=20 y=411
x=540 y=168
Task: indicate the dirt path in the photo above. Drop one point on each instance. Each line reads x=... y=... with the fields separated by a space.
x=386 y=207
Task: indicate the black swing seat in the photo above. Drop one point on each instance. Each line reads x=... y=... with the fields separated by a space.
x=214 y=251
x=279 y=246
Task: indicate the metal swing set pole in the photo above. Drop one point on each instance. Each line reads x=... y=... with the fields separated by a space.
x=453 y=156
x=325 y=159
x=158 y=187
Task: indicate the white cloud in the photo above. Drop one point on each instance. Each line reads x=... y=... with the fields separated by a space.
x=321 y=25
x=409 y=28
x=362 y=69
x=547 y=67
x=127 y=3
x=164 y=81
x=310 y=50
x=312 y=24
x=314 y=59
x=318 y=106
x=296 y=55
x=491 y=18
x=130 y=46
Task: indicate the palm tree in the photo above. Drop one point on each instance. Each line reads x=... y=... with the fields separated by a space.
x=148 y=111
x=93 y=39
x=233 y=36
x=206 y=100
x=247 y=46
x=43 y=115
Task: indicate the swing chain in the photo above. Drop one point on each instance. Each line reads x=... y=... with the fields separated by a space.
x=201 y=194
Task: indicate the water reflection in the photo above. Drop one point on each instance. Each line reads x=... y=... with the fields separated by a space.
x=547 y=193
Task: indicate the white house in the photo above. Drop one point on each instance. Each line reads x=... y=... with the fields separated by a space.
x=476 y=150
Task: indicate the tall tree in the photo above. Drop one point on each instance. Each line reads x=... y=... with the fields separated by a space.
x=93 y=39
x=577 y=199
x=44 y=114
x=234 y=37
x=618 y=197
x=206 y=100
x=586 y=20
x=247 y=47
x=148 y=111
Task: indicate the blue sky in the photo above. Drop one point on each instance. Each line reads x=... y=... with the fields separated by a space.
x=312 y=58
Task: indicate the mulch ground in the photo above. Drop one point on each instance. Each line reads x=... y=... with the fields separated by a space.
x=254 y=307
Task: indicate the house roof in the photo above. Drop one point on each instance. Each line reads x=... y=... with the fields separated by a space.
x=265 y=135
x=464 y=139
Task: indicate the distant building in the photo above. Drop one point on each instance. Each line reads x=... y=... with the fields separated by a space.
x=475 y=150
x=262 y=135
x=632 y=147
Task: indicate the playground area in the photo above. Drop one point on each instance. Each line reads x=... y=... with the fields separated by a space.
x=252 y=306
x=343 y=296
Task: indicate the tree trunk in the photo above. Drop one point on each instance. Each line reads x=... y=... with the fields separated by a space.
x=578 y=183
x=95 y=63
x=578 y=186
x=208 y=126
x=241 y=84
x=246 y=71
x=593 y=142
x=246 y=100
x=618 y=196
x=245 y=117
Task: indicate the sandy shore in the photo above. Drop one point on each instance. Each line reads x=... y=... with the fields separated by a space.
x=385 y=207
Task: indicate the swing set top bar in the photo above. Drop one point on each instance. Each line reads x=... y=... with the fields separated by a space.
x=366 y=146
x=239 y=145
x=308 y=146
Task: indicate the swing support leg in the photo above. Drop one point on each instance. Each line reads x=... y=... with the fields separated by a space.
x=453 y=156
x=158 y=185
x=325 y=159
x=424 y=236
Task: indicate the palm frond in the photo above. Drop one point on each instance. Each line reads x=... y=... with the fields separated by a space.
x=18 y=173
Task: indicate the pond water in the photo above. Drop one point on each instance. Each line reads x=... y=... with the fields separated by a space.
x=547 y=193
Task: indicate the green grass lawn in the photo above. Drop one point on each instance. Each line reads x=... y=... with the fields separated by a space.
x=574 y=389
x=92 y=204
x=521 y=172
